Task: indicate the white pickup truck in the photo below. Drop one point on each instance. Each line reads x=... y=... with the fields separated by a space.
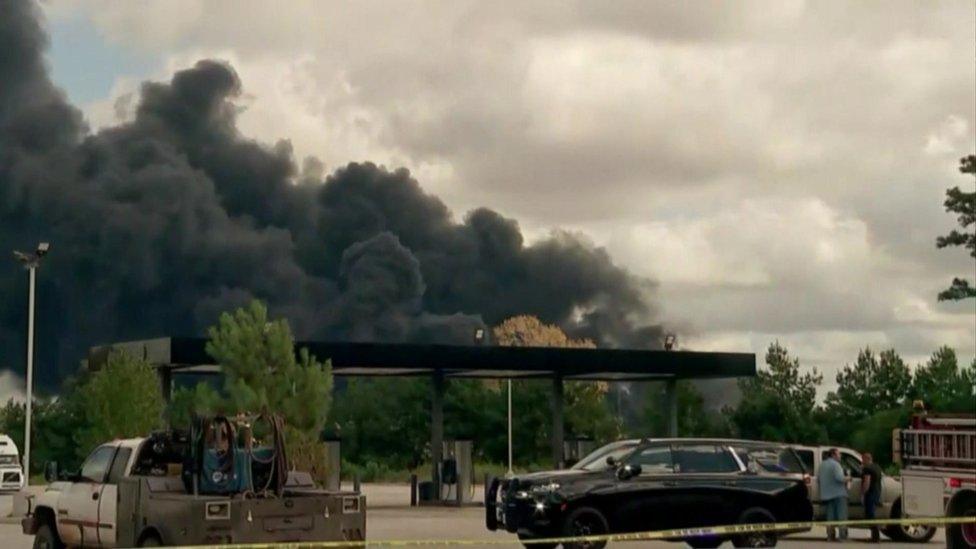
x=128 y=493
x=11 y=477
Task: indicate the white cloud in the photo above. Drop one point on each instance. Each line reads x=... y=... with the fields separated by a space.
x=950 y=138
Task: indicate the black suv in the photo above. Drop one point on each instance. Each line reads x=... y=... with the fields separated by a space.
x=642 y=485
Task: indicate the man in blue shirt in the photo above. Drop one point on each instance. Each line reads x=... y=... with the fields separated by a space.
x=833 y=492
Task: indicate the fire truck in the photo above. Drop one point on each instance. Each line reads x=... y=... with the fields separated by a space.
x=938 y=477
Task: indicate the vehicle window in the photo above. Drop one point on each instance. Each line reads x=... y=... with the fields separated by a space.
x=771 y=459
x=654 y=460
x=851 y=464
x=117 y=471
x=597 y=459
x=703 y=459
x=807 y=457
x=95 y=467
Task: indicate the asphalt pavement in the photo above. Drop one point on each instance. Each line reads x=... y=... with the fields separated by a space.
x=388 y=517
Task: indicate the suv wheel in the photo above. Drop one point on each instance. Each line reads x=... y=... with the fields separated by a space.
x=585 y=521
x=704 y=542
x=756 y=515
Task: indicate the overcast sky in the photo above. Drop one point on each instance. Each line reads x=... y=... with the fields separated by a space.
x=778 y=168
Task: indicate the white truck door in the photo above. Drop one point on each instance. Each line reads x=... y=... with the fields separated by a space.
x=853 y=469
x=108 y=502
x=79 y=503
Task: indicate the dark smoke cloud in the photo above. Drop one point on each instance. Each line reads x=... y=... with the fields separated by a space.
x=161 y=223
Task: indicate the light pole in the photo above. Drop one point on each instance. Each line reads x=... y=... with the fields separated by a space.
x=671 y=390
x=30 y=261
x=510 y=472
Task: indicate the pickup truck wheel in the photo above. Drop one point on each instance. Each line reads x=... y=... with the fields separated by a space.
x=916 y=533
x=585 y=521
x=959 y=536
x=756 y=515
x=46 y=538
x=151 y=540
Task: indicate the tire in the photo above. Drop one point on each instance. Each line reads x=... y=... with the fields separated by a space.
x=704 y=543
x=585 y=521
x=962 y=536
x=911 y=533
x=524 y=537
x=47 y=538
x=151 y=540
x=755 y=515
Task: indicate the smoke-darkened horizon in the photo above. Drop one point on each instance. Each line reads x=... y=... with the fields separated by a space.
x=159 y=224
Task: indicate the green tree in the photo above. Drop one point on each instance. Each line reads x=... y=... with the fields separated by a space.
x=694 y=419
x=185 y=402
x=962 y=203
x=872 y=383
x=385 y=420
x=873 y=433
x=56 y=422
x=943 y=386
x=262 y=374
x=121 y=400
x=779 y=402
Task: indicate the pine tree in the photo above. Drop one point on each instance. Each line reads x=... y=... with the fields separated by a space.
x=962 y=203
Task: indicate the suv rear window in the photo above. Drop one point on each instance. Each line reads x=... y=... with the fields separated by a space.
x=703 y=459
x=771 y=459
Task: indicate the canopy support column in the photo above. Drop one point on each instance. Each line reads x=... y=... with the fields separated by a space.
x=436 y=430
x=557 y=422
x=671 y=400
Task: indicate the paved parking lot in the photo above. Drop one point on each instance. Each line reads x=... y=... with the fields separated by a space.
x=389 y=519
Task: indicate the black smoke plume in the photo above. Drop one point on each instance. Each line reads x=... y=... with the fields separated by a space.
x=160 y=223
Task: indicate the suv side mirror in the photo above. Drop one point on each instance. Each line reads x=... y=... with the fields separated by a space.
x=629 y=471
x=51 y=471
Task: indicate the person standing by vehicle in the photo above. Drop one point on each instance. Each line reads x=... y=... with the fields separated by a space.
x=833 y=492
x=871 y=491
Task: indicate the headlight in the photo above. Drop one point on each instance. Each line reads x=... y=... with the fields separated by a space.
x=545 y=488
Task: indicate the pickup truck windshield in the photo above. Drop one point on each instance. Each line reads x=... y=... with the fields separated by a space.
x=97 y=464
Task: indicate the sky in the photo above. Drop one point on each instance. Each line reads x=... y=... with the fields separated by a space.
x=776 y=168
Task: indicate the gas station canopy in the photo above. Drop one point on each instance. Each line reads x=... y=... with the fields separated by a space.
x=179 y=356
x=188 y=355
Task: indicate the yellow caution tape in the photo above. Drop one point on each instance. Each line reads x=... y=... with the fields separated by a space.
x=680 y=533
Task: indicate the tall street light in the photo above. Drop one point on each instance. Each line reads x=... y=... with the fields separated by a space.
x=30 y=261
